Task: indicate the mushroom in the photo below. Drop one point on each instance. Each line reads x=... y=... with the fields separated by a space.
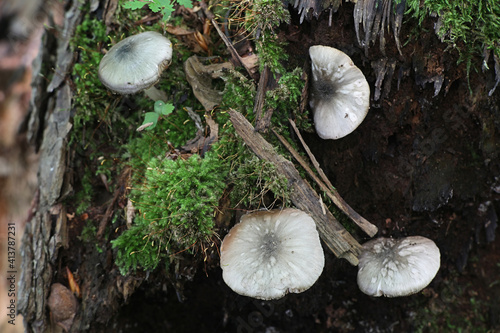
x=136 y=63
x=272 y=253
x=395 y=268
x=340 y=94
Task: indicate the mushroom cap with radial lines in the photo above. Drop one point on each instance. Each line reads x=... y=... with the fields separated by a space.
x=340 y=93
x=135 y=63
x=272 y=253
x=397 y=267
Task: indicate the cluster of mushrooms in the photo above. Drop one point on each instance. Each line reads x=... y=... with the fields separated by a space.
x=271 y=253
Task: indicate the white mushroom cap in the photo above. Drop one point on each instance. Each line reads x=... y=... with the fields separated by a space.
x=394 y=268
x=272 y=253
x=341 y=95
x=135 y=63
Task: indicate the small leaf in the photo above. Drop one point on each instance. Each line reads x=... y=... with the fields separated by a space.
x=167 y=12
x=185 y=3
x=155 y=8
x=133 y=5
x=158 y=5
x=150 y=117
x=163 y=3
x=162 y=108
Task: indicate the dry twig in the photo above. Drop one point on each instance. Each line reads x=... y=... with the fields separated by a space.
x=303 y=196
x=325 y=184
x=233 y=51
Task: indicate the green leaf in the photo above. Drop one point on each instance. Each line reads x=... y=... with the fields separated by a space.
x=158 y=5
x=154 y=7
x=162 y=108
x=150 y=117
x=185 y=3
x=167 y=12
x=163 y=3
x=134 y=5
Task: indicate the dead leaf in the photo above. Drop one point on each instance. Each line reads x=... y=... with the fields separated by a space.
x=130 y=213
x=200 y=77
x=73 y=285
x=178 y=30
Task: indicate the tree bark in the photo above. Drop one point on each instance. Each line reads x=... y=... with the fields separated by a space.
x=46 y=234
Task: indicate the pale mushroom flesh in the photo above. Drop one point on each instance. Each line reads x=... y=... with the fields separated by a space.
x=135 y=63
x=340 y=96
x=397 y=267
x=272 y=253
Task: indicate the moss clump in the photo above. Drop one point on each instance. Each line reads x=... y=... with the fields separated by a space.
x=84 y=196
x=470 y=26
x=96 y=120
x=239 y=93
x=286 y=96
x=176 y=204
x=455 y=310
x=271 y=52
x=254 y=179
x=89 y=96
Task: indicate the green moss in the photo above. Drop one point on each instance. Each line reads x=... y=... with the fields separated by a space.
x=239 y=93
x=469 y=26
x=254 y=179
x=85 y=195
x=90 y=95
x=286 y=96
x=271 y=52
x=267 y=14
x=89 y=231
x=97 y=118
x=176 y=204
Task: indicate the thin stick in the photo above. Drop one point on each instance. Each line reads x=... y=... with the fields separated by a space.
x=232 y=50
x=369 y=228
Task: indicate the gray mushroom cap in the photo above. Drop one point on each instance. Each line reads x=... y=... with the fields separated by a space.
x=340 y=93
x=135 y=63
x=272 y=253
x=397 y=267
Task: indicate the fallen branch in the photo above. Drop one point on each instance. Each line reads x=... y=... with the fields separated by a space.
x=303 y=196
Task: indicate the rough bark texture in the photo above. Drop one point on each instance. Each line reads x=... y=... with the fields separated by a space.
x=49 y=230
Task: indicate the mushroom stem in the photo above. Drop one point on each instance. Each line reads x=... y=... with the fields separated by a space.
x=155 y=94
